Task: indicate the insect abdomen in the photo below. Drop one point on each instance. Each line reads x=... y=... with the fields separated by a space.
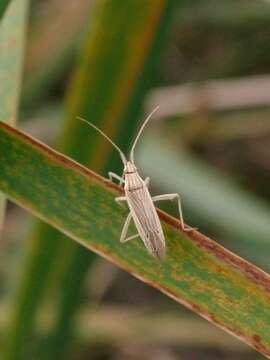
x=146 y=220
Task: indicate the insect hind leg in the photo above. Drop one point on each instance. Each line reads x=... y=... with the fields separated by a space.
x=123 y=237
x=172 y=197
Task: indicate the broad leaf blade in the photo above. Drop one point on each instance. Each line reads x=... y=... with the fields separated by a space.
x=198 y=272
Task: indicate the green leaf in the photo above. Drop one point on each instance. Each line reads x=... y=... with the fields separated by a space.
x=202 y=275
x=12 y=32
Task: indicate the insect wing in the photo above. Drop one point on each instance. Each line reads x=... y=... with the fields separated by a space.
x=147 y=221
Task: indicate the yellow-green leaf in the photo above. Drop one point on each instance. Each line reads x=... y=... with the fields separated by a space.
x=199 y=273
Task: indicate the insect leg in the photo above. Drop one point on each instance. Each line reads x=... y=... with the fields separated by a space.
x=147 y=181
x=120 y=198
x=172 y=197
x=123 y=238
x=129 y=238
x=117 y=177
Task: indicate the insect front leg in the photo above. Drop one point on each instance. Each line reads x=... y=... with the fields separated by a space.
x=112 y=176
x=172 y=197
x=123 y=238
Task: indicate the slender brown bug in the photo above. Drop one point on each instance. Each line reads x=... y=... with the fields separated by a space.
x=140 y=202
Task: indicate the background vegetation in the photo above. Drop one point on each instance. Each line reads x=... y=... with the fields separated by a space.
x=111 y=61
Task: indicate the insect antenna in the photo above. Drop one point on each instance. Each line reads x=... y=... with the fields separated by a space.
x=139 y=133
x=123 y=158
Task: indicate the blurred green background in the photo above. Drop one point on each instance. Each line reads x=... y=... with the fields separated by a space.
x=206 y=64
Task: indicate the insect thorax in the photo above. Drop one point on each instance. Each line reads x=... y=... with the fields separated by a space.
x=133 y=181
x=130 y=168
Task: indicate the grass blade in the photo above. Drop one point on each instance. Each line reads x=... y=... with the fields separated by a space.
x=202 y=275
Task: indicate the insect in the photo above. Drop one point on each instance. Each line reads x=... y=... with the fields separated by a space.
x=139 y=200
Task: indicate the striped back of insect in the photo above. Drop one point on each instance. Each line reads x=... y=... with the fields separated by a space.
x=144 y=212
x=138 y=198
